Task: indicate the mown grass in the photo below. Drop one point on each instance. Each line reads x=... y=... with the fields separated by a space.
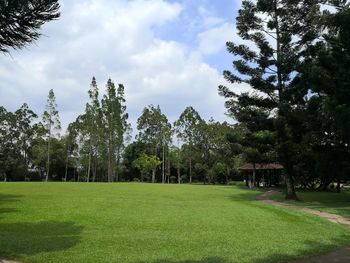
x=139 y=223
x=331 y=202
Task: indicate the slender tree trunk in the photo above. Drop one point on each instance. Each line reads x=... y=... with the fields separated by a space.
x=48 y=157
x=94 y=170
x=163 y=164
x=178 y=176
x=153 y=175
x=66 y=170
x=338 y=184
x=89 y=165
x=169 y=168
x=110 y=159
x=118 y=163
x=74 y=174
x=190 y=170
x=254 y=175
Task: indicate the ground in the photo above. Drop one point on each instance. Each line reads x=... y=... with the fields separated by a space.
x=139 y=223
x=331 y=202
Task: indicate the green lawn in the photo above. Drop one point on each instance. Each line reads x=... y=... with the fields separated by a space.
x=335 y=203
x=139 y=223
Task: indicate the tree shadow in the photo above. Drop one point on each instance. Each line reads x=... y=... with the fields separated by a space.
x=20 y=239
x=9 y=197
x=26 y=238
x=311 y=252
x=4 y=198
x=205 y=260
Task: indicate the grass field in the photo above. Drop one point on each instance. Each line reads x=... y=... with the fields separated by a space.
x=335 y=203
x=139 y=223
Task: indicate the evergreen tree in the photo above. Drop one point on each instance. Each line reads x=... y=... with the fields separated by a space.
x=52 y=124
x=283 y=33
x=20 y=21
x=115 y=126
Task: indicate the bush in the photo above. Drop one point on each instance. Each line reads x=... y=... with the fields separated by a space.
x=236 y=183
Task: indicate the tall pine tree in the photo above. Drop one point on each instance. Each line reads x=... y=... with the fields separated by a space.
x=282 y=33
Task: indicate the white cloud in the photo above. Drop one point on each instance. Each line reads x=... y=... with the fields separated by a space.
x=213 y=40
x=115 y=39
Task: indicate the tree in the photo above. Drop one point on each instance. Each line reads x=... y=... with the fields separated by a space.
x=187 y=128
x=176 y=159
x=146 y=163
x=154 y=130
x=20 y=21
x=51 y=122
x=328 y=75
x=284 y=34
x=115 y=125
x=92 y=127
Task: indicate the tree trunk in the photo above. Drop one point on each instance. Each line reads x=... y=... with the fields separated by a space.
x=190 y=171
x=338 y=185
x=163 y=164
x=168 y=168
x=89 y=166
x=290 y=195
x=118 y=163
x=110 y=159
x=48 y=158
x=66 y=171
x=178 y=176
x=254 y=175
x=153 y=175
x=94 y=170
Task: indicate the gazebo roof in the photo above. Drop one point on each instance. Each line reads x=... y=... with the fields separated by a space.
x=261 y=166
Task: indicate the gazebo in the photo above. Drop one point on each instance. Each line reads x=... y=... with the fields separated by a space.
x=262 y=174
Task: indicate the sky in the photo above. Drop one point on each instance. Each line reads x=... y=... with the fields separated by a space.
x=166 y=52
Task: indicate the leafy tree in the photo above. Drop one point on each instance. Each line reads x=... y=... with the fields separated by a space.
x=146 y=164
x=154 y=130
x=283 y=34
x=187 y=128
x=20 y=21
x=176 y=159
x=26 y=131
x=51 y=122
x=115 y=125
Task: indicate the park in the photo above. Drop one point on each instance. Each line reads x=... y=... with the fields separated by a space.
x=174 y=131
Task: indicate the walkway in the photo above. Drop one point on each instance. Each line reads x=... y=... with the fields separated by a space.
x=340 y=256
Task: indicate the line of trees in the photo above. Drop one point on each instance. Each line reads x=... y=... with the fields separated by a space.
x=298 y=65
x=97 y=146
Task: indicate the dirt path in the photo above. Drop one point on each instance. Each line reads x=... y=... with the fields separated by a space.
x=339 y=256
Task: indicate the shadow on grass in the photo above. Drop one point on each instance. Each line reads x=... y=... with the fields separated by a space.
x=26 y=238
x=19 y=239
x=205 y=260
x=312 y=251
x=6 y=198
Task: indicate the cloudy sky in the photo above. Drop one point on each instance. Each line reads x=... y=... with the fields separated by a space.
x=166 y=52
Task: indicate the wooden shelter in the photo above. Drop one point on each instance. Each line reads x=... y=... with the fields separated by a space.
x=262 y=174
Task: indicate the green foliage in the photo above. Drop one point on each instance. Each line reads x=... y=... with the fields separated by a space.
x=146 y=163
x=21 y=20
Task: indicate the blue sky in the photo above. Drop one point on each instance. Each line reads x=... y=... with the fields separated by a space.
x=165 y=52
